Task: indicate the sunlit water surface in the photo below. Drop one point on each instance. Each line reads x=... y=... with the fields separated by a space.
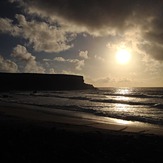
x=131 y=104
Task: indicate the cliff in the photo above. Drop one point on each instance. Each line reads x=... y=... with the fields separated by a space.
x=29 y=81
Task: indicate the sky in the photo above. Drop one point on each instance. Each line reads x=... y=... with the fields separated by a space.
x=84 y=37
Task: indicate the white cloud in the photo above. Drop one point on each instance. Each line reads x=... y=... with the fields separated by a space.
x=83 y=54
x=79 y=64
x=68 y=72
x=6 y=26
x=47 y=60
x=31 y=66
x=7 y=65
x=113 y=81
x=42 y=36
x=99 y=58
x=21 y=52
x=51 y=71
x=59 y=59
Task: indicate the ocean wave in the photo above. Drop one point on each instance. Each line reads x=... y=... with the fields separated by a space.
x=111 y=114
x=104 y=100
x=135 y=95
x=156 y=105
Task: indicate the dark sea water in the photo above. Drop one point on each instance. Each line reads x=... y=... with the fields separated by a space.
x=133 y=104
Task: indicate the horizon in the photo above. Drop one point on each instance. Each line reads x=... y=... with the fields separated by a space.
x=109 y=43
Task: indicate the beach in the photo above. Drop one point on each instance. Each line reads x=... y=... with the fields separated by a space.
x=31 y=134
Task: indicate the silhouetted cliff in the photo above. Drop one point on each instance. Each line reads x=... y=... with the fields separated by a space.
x=29 y=81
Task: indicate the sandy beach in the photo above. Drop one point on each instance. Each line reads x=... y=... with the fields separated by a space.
x=35 y=134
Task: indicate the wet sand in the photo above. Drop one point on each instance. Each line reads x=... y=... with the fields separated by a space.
x=34 y=134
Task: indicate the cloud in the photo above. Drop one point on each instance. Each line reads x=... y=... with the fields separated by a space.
x=94 y=17
x=83 y=54
x=68 y=72
x=6 y=26
x=21 y=52
x=153 y=39
x=51 y=71
x=31 y=66
x=124 y=80
x=7 y=65
x=99 y=58
x=79 y=63
x=152 y=49
x=152 y=67
x=105 y=80
x=112 y=81
x=59 y=59
x=94 y=14
x=43 y=36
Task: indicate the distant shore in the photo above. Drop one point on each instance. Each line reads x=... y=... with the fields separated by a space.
x=32 y=135
x=37 y=81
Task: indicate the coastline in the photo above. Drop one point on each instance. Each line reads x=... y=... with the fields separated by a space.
x=29 y=134
x=43 y=115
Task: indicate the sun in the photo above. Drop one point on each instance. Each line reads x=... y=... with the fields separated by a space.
x=123 y=56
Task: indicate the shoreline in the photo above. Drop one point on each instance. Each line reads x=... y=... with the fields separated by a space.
x=46 y=115
x=29 y=134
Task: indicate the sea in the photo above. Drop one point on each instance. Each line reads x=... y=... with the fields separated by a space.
x=131 y=104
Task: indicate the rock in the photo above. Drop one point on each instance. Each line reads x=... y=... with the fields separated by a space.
x=35 y=82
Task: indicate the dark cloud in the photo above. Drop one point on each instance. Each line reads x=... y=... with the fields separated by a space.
x=97 y=13
x=154 y=37
x=154 y=50
x=155 y=31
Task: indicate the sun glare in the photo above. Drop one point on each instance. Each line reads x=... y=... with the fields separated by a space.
x=123 y=56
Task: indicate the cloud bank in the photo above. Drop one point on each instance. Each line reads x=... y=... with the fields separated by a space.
x=95 y=14
x=138 y=20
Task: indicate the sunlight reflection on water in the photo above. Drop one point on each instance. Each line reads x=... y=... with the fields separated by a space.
x=120 y=121
x=121 y=107
x=123 y=91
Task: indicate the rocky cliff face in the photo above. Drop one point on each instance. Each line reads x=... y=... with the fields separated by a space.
x=28 y=81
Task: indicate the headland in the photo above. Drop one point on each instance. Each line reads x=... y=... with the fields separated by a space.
x=35 y=82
